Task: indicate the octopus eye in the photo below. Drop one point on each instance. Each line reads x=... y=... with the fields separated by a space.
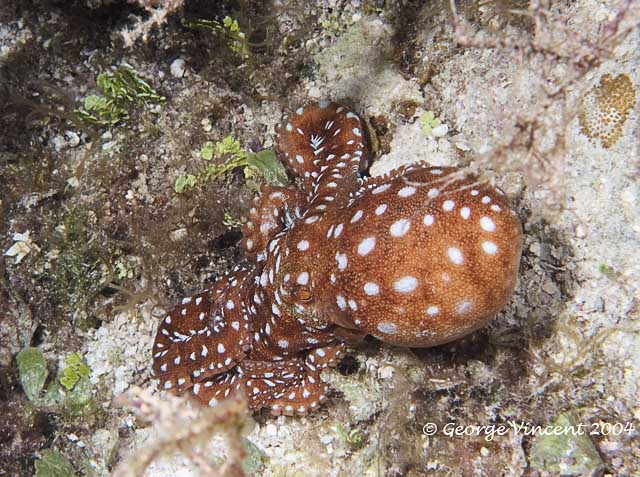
x=303 y=295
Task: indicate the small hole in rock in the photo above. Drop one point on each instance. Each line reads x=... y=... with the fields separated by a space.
x=226 y=240
x=349 y=365
x=38 y=336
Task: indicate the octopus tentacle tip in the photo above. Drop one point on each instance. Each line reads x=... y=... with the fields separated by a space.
x=419 y=257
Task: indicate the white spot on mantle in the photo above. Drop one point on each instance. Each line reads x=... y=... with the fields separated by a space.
x=387 y=327
x=406 y=284
x=366 y=246
x=489 y=247
x=399 y=228
x=487 y=224
x=371 y=288
x=455 y=254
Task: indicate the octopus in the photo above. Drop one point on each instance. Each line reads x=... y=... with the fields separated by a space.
x=419 y=257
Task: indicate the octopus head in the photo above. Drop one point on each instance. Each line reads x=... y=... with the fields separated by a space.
x=294 y=276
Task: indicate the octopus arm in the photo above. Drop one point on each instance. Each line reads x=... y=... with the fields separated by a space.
x=260 y=381
x=348 y=335
x=420 y=174
x=205 y=335
x=323 y=144
x=298 y=388
x=215 y=388
x=275 y=209
x=289 y=387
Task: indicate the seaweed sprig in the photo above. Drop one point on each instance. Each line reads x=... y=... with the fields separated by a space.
x=226 y=155
x=120 y=91
x=228 y=29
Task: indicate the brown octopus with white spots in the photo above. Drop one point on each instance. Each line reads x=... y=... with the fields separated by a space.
x=419 y=257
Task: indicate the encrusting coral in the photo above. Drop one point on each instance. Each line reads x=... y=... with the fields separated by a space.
x=606 y=107
x=419 y=257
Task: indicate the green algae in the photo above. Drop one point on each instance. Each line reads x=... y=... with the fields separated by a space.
x=428 y=121
x=33 y=371
x=355 y=437
x=53 y=464
x=75 y=370
x=254 y=461
x=228 y=29
x=81 y=263
x=567 y=452
x=120 y=91
x=258 y=167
